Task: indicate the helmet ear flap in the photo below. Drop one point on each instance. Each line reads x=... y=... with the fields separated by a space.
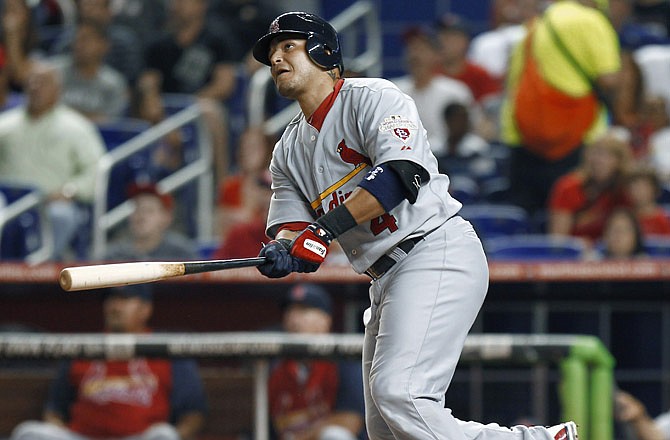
x=323 y=55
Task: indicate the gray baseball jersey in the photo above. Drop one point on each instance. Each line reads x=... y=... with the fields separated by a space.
x=313 y=171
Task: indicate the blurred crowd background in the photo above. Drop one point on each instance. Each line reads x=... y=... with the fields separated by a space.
x=143 y=129
x=92 y=75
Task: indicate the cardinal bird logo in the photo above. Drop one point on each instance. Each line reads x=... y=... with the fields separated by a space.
x=351 y=156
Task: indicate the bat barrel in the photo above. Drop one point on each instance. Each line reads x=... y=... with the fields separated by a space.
x=119 y=274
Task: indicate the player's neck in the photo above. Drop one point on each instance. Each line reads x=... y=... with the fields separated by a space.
x=312 y=98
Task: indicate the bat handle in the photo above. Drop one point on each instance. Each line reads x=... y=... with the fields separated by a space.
x=213 y=265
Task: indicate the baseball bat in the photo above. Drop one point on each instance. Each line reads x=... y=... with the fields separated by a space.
x=120 y=274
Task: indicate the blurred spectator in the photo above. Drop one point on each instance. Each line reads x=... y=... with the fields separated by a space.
x=243 y=20
x=644 y=190
x=89 y=85
x=168 y=155
x=654 y=15
x=622 y=237
x=630 y=104
x=147 y=18
x=243 y=239
x=431 y=91
x=243 y=196
x=314 y=399
x=192 y=59
x=5 y=92
x=569 y=59
x=52 y=147
x=633 y=34
x=632 y=412
x=454 y=38
x=654 y=62
x=125 y=48
x=658 y=126
x=149 y=235
x=583 y=199
x=20 y=38
x=139 y=399
x=492 y=48
x=464 y=151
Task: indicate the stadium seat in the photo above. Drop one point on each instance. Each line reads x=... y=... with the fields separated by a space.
x=23 y=235
x=493 y=220
x=114 y=133
x=463 y=188
x=535 y=247
x=657 y=246
x=495 y=190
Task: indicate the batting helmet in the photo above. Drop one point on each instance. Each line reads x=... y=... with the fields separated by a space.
x=323 y=44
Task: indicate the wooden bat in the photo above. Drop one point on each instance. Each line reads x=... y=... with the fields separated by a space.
x=119 y=274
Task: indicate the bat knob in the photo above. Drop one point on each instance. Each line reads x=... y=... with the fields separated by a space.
x=65 y=280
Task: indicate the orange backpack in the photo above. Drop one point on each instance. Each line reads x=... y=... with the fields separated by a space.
x=551 y=123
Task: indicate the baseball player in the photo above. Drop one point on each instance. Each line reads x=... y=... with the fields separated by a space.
x=355 y=166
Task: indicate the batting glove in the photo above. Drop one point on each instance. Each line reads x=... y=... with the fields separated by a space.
x=279 y=262
x=312 y=244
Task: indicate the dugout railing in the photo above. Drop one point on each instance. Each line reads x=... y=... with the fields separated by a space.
x=585 y=365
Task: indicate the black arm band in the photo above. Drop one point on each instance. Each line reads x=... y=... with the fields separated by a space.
x=412 y=176
x=337 y=221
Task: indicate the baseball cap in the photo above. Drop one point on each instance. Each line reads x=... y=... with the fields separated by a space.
x=135 y=189
x=142 y=291
x=309 y=295
x=453 y=22
x=418 y=32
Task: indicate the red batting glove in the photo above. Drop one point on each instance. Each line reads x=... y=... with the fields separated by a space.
x=312 y=244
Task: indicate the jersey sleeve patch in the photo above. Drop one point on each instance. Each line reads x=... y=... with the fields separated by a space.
x=399 y=126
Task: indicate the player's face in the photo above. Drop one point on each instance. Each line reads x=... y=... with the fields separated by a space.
x=602 y=163
x=126 y=314
x=292 y=69
x=303 y=319
x=150 y=217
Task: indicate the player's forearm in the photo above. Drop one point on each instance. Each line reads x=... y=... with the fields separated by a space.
x=221 y=86
x=54 y=418
x=189 y=425
x=352 y=421
x=646 y=429
x=363 y=206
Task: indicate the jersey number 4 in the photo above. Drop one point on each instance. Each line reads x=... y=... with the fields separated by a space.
x=386 y=221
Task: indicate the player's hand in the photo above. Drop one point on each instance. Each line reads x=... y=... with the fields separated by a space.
x=279 y=261
x=312 y=244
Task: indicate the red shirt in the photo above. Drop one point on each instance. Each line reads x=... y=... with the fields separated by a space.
x=119 y=398
x=568 y=194
x=300 y=394
x=242 y=240
x=480 y=82
x=656 y=223
x=230 y=191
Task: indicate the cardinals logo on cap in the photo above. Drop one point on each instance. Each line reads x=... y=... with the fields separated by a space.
x=274 y=26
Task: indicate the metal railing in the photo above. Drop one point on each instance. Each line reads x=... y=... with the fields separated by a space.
x=32 y=200
x=367 y=62
x=199 y=170
x=585 y=364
